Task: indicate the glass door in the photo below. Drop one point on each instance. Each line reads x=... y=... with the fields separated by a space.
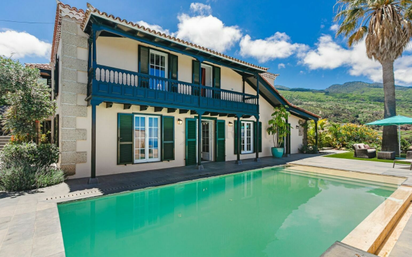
x=247 y=137
x=146 y=138
x=158 y=68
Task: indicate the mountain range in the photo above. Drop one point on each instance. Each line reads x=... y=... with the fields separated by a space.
x=355 y=102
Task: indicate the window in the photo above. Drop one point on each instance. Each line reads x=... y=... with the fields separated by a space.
x=146 y=138
x=158 y=68
x=246 y=131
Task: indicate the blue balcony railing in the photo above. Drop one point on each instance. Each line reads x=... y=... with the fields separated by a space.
x=146 y=89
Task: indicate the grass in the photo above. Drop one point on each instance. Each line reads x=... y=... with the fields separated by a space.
x=349 y=155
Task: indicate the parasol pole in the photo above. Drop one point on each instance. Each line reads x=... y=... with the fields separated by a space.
x=399 y=134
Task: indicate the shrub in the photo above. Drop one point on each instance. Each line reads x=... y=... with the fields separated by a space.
x=19 y=178
x=28 y=154
x=26 y=166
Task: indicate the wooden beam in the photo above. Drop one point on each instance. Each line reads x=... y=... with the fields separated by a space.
x=109 y=104
x=158 y=109
x=231 y=115
x=127 y=106
x=183 y=111
x=206 y=113
x=214 y=114
x=171 y=110
x=222 y=115
x=143 y=107
x=193 y=112
x=246 y=116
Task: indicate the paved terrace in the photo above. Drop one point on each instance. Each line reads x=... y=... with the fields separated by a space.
x=29 y=221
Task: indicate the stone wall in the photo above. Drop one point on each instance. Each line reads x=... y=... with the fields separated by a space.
x=72 y=94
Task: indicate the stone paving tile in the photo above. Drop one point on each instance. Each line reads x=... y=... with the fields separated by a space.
x=47 y=245
x=22 y=248
x=4 y=222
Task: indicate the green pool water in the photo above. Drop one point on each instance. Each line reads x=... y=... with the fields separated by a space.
x=269 y=212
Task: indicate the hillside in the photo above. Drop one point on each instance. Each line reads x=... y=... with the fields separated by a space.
x=355 y=102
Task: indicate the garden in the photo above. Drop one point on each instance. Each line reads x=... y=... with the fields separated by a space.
x=27 y=161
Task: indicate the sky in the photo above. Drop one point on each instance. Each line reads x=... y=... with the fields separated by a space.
x=293 y=39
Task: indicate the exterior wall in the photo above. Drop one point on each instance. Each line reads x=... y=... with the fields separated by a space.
x=72 y=93
x=106 y=139
x=122 y=53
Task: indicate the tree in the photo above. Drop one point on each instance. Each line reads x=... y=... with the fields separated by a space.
x=387 y=27
x=28 y=101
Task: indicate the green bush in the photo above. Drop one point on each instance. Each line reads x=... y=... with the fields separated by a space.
x=28 y=154
x=26 y=166
x=29 y=177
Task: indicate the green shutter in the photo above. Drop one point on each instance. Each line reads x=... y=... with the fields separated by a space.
x=125 y=139
x=216 y=81
x=195 y=72
x=235 y=139
x=168 y=138
x=143 y=59
x=143 y=65
x=258 y=136
x=220 y=141
x=173 y=72
x=195 y=76
x=191 y=141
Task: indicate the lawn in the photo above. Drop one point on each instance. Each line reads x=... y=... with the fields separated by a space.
x=349 y=155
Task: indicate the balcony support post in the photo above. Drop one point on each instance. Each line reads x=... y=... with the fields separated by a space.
x=93 y=179
x=257 y=119
x=199 y=141
x=238 y=139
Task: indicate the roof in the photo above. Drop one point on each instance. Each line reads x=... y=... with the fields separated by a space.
x=84 y=17
x=291 y=106
x=40 y=66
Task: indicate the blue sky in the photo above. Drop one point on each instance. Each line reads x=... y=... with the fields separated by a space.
x=294 y=40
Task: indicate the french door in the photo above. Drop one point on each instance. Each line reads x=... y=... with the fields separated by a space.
x=247 y=136
x=146 y=138
x=158 y=68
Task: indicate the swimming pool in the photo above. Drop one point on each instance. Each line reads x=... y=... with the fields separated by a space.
x=269 y=212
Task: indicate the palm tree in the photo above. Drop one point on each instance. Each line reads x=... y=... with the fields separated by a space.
x=388 y=29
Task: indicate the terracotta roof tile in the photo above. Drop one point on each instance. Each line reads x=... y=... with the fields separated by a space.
x=92 y=10
x=43 y=66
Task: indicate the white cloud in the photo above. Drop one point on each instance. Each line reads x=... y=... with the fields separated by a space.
x=330 y=55
x=207 y=31
x=153 y=26
x=408 y=47
x=200 y=8
x=276 y=46
x=281 y=66
x=334 y=27
x=21 y=44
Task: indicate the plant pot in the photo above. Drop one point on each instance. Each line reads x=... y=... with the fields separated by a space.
x=277 y=152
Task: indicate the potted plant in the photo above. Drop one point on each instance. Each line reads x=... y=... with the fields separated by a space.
x=278 y=126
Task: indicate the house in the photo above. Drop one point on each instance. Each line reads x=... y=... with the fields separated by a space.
x=133 y=99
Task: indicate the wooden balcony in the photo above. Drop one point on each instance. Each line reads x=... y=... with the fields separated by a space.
x=121 y=86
